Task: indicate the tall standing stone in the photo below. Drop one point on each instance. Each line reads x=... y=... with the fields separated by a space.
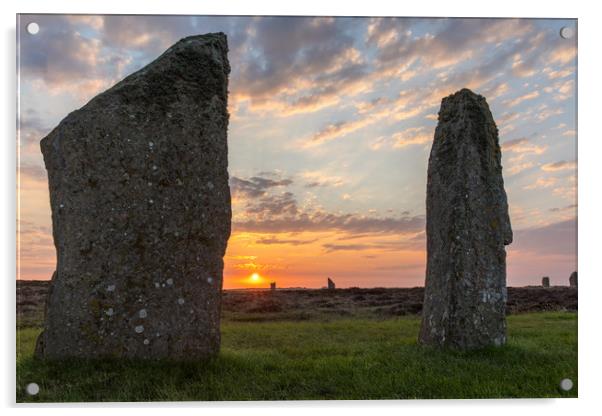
x=141 y=212
x=545 y=281
x=331 y=284
x=467 y=226
x=573 y=279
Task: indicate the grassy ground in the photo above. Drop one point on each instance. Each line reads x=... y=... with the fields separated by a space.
x=340 y=359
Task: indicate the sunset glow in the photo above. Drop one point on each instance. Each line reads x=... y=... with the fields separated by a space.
x=331 y=124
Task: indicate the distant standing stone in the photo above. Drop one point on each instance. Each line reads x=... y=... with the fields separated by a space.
x=141 y=212
x=273 y=286
x=331 y=284
x=467 y=227
x=545 y=281
x=573 y=279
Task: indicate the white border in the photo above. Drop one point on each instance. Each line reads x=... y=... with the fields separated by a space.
x=589 y=159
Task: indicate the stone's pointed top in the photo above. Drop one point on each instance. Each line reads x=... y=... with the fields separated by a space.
x=218 y=39
x=463 y=102
x=205 y=38
x=463 y=94
x=214 y=45
x=467 y=91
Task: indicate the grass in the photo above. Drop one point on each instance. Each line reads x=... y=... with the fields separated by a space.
x=340 y=359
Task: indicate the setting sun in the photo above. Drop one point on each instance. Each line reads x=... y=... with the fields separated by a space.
x=255 y=278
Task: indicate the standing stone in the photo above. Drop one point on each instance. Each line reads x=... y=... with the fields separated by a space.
x=573 y=279
x=141 y=212
x=272 y=285
x=331 y=284
x=545 y=281
x=467 y=227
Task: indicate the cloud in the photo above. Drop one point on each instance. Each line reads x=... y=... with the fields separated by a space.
x=299 y=64
x=317 y=179
x=382 y=246
x=347 y=247
x=564 y=90
x=453 y=41
x=516 y=168
x=36 y=250
x=559 y=166
x=289 y=241
x=496 y=91
x=273 y=205
x=560 y=73
x=268 y=212
x=543 y=112
x=564 y=208
x=367 y=106
x=339 y=129
x=408 y=104
x=411 y=136
x=516 y=101
x=553 y=239
x=242 y=257
x=63 y=59
x=29 y=228
x=565 y=53
x=32 y=127
x=34 y=172
x=292 y=65
x=541 y=183
x=569 y=133
x=523 y=145
x=506 y=119
x=324 y=221
x=255 y=186
x=407 y=137
x=395 y=42
x=150 y=35
x=255 y=267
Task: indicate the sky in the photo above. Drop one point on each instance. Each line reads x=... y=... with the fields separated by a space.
x=331 y=125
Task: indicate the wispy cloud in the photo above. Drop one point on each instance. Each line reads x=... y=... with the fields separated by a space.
x=523 y=145
x=559 y=166
x=286 y=241
x=255 y=186
x=516 y=101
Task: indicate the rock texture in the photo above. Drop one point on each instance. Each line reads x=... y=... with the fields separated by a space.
x=331 y=284
x=467 y=227
x=141 y=212
x=545 y=281
x=573 y=279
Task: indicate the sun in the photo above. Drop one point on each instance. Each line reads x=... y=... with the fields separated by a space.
x=255 y=278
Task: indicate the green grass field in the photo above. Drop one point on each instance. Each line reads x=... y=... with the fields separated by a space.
x=313 y=360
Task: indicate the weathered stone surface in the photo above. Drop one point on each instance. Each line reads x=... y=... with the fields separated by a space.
x=573 y=279
x=467 y=228
x=331 y=284
x=545 y=281
x=141 y=212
